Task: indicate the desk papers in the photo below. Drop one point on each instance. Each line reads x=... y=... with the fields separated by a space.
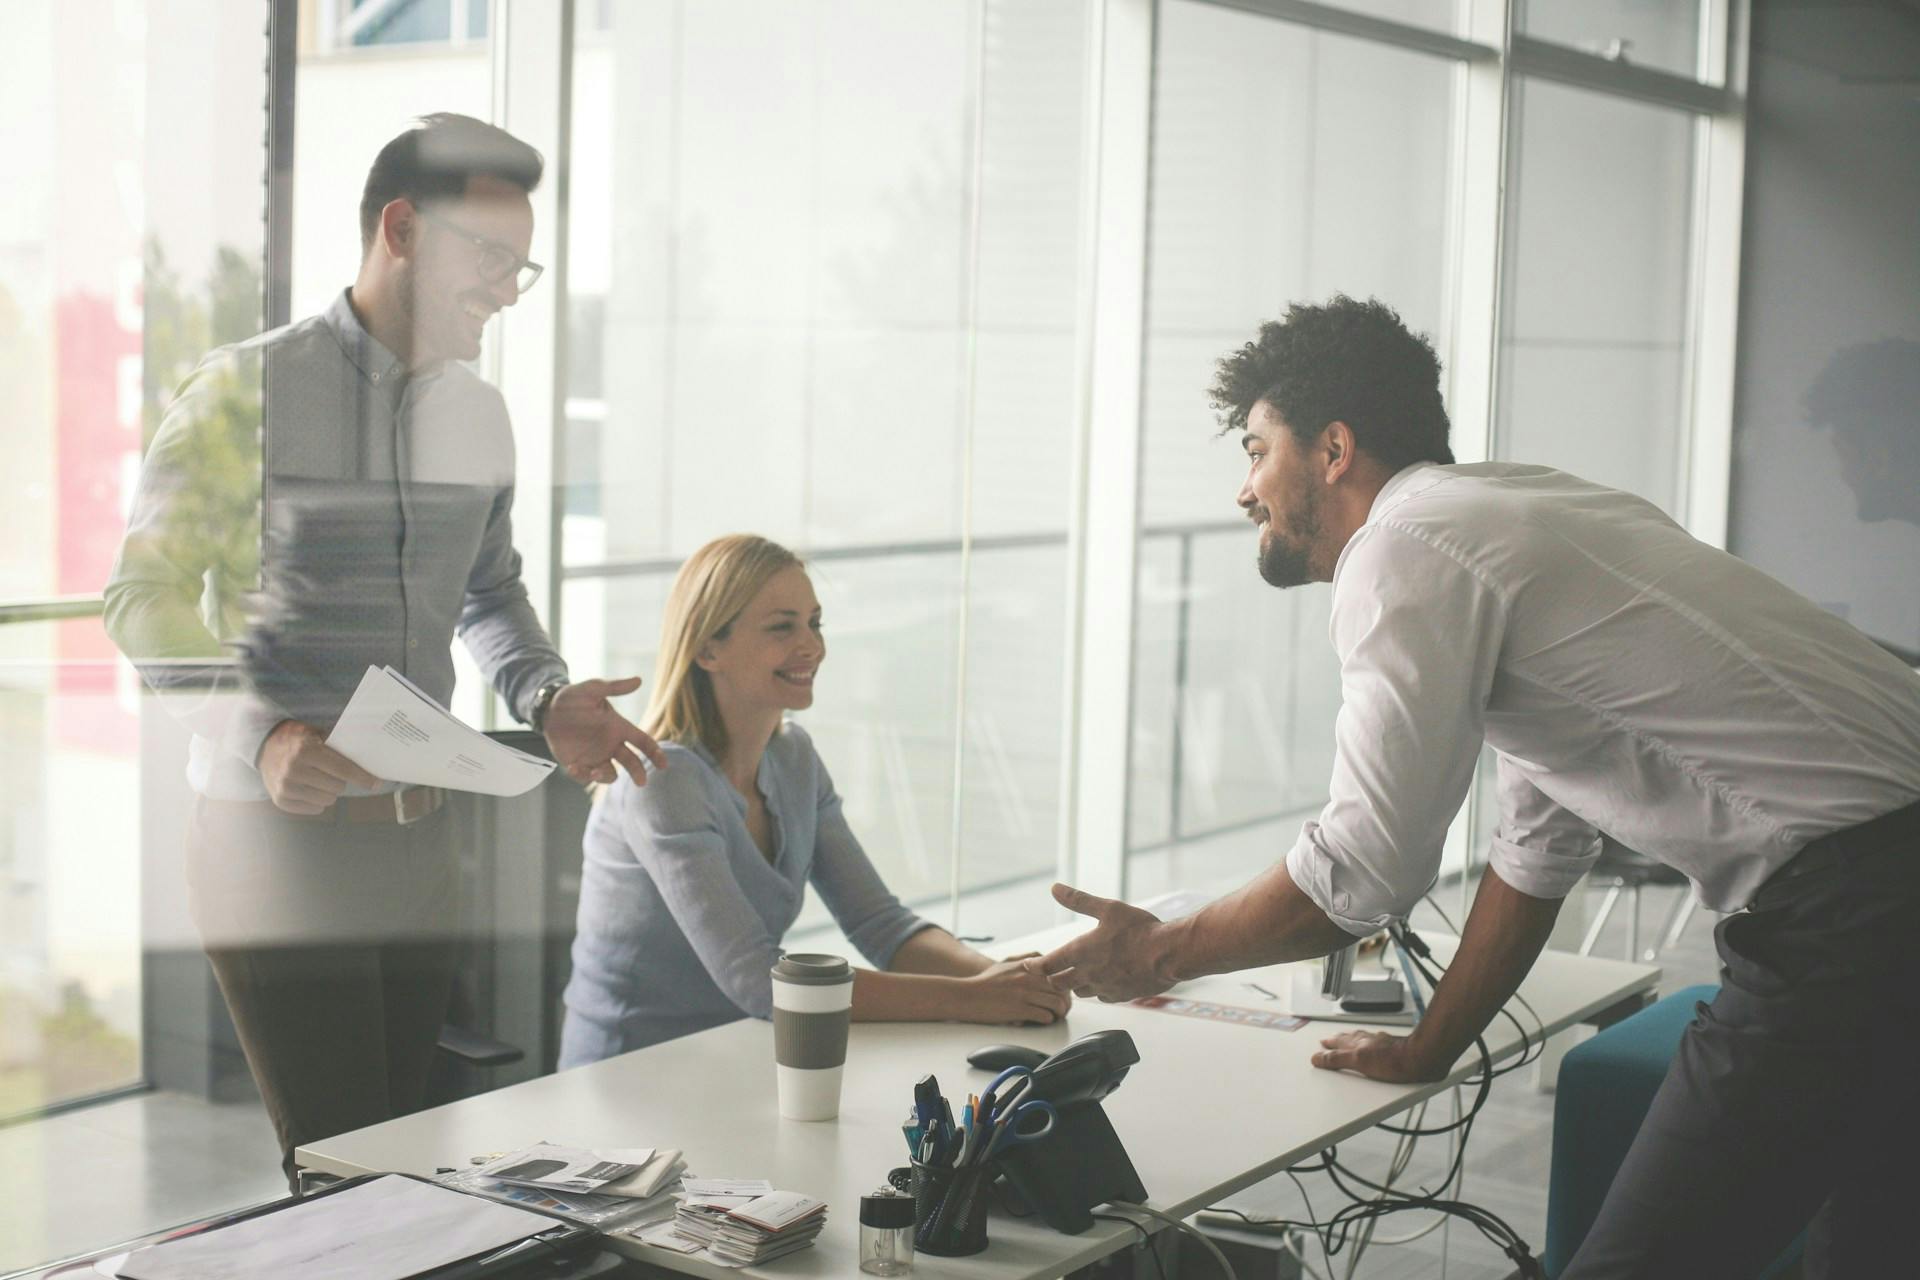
x=553 y=1168
x=1238 y=998
x=603 y=1187
x=386 y=1229
x=394 y=731
x=763 y=1228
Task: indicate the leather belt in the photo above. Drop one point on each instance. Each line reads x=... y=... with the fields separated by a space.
x=400 y=808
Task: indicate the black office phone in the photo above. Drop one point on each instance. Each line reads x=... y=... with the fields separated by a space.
x=1082 y=1163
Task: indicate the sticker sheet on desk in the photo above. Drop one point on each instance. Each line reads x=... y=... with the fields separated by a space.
x=1266 y=1019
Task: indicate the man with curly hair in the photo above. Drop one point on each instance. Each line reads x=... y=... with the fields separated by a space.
x=1630 y=680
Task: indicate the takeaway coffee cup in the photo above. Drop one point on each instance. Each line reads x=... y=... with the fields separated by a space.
x=812 y=1005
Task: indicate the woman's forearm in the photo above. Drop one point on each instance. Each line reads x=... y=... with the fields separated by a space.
x=1012 y=991
x=935 y=951
x=906 y=997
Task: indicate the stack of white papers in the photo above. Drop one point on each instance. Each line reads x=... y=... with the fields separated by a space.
x=601 y=1187
x=656 y=1175
x=394 y=731
x=766 y=1227
x=555 y=1168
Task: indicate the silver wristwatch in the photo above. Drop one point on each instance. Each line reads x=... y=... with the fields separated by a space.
x=543 y=702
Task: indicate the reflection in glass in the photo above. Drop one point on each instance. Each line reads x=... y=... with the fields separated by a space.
x=1288 y=165
x=812 y=293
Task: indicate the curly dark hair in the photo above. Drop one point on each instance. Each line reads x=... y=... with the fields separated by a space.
x=1346 y=361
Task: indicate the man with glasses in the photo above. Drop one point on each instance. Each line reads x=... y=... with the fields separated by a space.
x=380 y=529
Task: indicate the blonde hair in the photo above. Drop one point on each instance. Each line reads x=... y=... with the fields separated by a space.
x=708 y=593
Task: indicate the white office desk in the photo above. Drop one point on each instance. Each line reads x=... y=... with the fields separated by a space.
x=1210 y=1109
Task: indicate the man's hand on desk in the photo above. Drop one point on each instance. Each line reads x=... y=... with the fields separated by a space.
x=1122 y=959
x=587 y=735
x=302 y=773
x=1377 y=1056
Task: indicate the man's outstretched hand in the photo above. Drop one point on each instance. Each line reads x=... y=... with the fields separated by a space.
x=1123 y=958
x=587 y=735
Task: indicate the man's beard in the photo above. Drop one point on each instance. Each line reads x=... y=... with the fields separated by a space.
x=1283 y=553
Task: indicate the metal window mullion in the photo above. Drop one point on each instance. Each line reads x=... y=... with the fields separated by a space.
x=532 y=63
x=1713 y=321
x=1103 y=552
x=52 y=609
x=1544 y=60
x=1385 y=31
x=1477 y=211
x=1477 y=176
x=969 y=321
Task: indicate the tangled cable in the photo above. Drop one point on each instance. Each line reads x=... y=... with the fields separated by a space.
x=1352 y=1225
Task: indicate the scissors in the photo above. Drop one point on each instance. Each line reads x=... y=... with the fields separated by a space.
x=1011 y=1127
x=1022 y=1074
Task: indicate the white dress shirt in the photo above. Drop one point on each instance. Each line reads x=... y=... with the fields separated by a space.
x=1631 y=679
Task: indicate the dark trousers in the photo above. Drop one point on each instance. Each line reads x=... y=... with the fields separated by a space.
x=1794 y=1098
x=334 y=948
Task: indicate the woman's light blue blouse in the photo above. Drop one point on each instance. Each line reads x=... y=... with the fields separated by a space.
x=681 y=915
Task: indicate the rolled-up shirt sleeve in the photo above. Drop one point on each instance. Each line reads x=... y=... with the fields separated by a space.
x=1540 y=847
x=1418 y=634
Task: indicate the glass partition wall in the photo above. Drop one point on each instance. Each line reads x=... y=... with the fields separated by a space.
x=823 y=288
x=929 y=291
x=1288 y=163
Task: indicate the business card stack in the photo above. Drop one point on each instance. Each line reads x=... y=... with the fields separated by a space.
x=742 y=1235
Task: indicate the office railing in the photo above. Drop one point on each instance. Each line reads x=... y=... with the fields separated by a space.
x=52 y=609
x=1183 y=535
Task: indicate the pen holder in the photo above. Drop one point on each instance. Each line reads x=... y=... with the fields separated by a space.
x=950 y=1208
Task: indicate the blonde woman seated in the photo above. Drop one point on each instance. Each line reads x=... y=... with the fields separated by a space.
x=692 y=880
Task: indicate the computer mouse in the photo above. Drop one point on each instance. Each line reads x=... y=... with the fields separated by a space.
x=998 y=1057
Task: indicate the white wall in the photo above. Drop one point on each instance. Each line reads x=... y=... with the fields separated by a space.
x=1829 y=260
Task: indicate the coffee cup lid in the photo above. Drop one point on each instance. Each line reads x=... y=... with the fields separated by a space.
x=805 y=967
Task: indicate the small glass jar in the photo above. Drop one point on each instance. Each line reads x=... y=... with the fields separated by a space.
x=886 y=1233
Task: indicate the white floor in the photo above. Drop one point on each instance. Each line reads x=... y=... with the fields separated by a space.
x=88 y=1178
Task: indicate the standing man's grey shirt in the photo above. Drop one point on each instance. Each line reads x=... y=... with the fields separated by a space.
x=381 y=542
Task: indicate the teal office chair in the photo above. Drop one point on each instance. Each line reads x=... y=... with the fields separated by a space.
x=1606 y=1085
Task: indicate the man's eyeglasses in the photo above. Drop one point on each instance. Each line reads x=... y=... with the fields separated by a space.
x=496 y=262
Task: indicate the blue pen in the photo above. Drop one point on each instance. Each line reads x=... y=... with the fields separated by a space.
x=914 y=1131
